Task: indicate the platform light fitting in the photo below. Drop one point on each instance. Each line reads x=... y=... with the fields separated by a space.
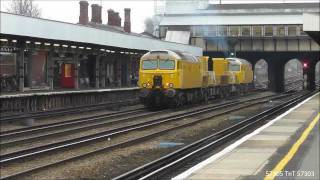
x=108 y=50
x=121 y=52
x=89 y=48
x=112 y=51
x=28 y=42
x=4 y=40
x=37 y=43
x=47 y=44
x=14 y=41
x=64 y=45
x=102 y=50
x=81 y=47
x=56 y=45
x=73 y=47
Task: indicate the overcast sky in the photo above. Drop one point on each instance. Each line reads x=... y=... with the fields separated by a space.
x=68 y=10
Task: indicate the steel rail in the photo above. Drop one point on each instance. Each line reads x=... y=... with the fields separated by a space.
x=78 y=129
x=137 y=140
x=65 y=124
x=9 y=157
x=33 y=129
x=165 y=164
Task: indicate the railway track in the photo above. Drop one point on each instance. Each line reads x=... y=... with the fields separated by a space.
x=70 y=126
x=32 y=153
x=13 y=134
x=163 y=166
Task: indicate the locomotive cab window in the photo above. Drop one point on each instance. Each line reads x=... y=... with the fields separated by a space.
x=234 y=67
x=149 y=64
x=166 y=64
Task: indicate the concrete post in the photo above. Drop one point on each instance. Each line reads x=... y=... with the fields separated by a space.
x=21 y=69
x=76 y=70
x=97 y=75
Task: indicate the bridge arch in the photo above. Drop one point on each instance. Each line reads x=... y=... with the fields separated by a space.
x=261 y=74
x=293 y=75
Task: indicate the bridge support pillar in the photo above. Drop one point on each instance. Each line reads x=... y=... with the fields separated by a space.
x=311 y=76
x=276 y=75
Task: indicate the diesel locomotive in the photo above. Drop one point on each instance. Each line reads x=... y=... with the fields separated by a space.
x=174 y=78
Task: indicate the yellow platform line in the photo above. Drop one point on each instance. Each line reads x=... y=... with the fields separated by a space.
x=280 y=166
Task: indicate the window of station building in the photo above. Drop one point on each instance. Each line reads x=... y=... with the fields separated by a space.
x=257 y=30
x=198 y=31
x=205 y=30
x=268 y=31
x=8 y=71
x=212 y=31
x=245 y=30
x=281 y=30
x=292 y=30
x=36 y=74
x=222 y=30
x=7 y=64
x=234 y=30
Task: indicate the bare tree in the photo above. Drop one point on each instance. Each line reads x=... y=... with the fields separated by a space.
x=148 y=25
x=24 y=7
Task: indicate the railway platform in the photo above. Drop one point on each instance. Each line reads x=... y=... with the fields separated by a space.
x=287 y=147
x=34 y=101
x=62 y=91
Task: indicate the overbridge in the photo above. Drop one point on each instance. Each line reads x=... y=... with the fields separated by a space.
x=276 y=32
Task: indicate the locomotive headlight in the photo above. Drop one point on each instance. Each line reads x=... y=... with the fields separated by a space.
x=144 y=85
x=170 y=85
x=148 y=84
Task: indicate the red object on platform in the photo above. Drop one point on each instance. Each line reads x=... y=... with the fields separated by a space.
x=67 y=75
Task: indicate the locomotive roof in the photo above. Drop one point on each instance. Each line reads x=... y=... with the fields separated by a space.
x=170 y=54
x=238 y=60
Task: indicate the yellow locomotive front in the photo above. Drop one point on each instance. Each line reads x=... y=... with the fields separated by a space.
x=164 y=74
x=157 y=77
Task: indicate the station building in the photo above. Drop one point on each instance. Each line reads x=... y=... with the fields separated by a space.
x=42 y=54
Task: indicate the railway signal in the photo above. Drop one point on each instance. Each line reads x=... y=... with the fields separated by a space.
x=305 y=65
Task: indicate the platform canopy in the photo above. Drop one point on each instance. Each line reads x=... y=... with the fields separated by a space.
x=17 y=25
